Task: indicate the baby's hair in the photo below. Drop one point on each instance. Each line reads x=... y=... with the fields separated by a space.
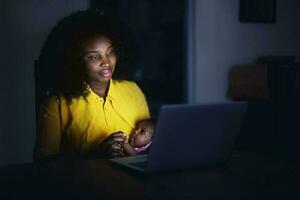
x=151 y=120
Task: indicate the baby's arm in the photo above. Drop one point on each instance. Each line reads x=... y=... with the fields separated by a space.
x=128 y=149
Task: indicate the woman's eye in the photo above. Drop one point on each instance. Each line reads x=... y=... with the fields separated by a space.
x=110 y=52
x=93 y=57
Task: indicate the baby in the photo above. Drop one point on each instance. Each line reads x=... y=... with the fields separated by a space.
x=140 y=139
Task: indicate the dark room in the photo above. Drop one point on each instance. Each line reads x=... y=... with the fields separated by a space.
x=150 y=99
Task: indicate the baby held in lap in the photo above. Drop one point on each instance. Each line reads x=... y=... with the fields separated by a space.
x=140 y=139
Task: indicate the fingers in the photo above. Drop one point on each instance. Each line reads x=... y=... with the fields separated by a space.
x=119 y=133
x=116 y=147
x=117 y=150
x=112 y=145
x=118 y=137
x=114 y=137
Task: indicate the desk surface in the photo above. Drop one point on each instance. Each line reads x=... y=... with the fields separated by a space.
x=99 y=179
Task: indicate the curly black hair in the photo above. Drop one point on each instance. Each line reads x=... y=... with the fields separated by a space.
x=59 y=68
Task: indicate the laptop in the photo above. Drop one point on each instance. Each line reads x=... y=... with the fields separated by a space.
x=190 y=136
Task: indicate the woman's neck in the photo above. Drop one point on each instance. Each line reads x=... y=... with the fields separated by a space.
x=99 y=88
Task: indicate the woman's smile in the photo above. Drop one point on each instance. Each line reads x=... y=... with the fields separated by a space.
x=106 y=72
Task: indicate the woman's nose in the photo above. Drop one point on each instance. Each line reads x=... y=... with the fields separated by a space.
x=105 y=62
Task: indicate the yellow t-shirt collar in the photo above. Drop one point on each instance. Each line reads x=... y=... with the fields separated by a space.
x=110 y=94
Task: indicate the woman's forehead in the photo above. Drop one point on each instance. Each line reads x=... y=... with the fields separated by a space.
x=98 y=41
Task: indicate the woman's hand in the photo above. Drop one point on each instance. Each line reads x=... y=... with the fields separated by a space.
x=112 y=145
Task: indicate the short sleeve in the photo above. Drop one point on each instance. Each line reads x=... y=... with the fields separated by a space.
x=141 y=102
x=48 y=136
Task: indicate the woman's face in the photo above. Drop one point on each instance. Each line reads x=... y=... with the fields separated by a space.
x=99 y=59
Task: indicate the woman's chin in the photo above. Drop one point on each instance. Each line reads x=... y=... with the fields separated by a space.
x=104 y=80
x=106 y=77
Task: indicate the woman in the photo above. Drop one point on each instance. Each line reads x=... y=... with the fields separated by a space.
x=91 y=108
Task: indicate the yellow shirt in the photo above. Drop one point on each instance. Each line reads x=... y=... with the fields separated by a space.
x=77 y=127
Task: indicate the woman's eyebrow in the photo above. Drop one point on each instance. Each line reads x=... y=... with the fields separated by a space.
x=87 y=52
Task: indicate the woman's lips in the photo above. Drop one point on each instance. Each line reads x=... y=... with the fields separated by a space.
x=106 y=72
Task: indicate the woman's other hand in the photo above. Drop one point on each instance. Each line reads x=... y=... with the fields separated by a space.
x=112 y=145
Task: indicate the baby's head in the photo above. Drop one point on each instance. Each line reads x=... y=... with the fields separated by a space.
x=142 y=134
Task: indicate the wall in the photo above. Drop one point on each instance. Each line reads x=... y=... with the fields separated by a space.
x=24 y=28
x=222 y=41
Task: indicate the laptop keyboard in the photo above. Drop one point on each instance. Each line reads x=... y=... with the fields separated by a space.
x=141 y=164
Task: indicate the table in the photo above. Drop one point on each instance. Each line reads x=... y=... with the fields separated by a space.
x=100 y=179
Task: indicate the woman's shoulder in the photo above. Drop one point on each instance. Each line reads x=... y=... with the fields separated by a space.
x=126 y=89
x=125 y=85
x=53 y=101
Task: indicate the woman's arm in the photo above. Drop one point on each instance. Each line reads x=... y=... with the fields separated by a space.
x=141 y=104
x=48 y=136
x=111 y=146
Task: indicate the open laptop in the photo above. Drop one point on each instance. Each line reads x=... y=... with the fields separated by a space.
x=189 y=136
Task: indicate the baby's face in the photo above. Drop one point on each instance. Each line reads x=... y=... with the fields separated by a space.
x=142 y=134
